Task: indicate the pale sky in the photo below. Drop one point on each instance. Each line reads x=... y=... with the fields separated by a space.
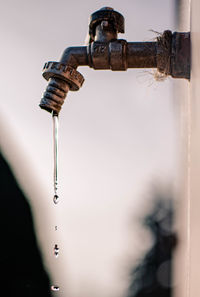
x=117 y=136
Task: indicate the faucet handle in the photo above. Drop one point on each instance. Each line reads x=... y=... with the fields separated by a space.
x=105 y=14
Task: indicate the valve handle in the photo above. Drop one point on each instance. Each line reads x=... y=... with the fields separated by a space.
x=106 y=14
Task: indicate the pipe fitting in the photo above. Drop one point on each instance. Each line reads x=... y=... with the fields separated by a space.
x=64 y=72
x=173 y=54
x=62 y=79
x=75 y=56
x=108 y=55
x=54 y=96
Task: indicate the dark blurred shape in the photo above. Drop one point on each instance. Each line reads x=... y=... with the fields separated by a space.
x=22 y=270
x=153 y=275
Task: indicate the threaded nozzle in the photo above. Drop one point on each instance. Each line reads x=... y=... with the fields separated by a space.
x=54 y=96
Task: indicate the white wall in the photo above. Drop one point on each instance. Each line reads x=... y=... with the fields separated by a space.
x=182 y=98
x=194 y=165
x=118 y=135
x=187 y=260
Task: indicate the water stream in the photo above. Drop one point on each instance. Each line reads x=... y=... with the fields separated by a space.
x=55 y=153
x=55 y=181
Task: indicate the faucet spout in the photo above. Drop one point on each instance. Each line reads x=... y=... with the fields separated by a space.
x=170 y=54
x=75 y=56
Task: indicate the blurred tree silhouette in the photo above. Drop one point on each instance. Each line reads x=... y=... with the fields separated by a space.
x=152 y=277
x=22 y=270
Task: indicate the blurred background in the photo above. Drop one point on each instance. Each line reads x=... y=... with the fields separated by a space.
x=119 y=158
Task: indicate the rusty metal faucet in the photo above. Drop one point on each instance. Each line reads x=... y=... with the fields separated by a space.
x=170 y=54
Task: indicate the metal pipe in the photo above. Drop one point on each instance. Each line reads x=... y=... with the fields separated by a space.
x=142 y=55
x=75 y=56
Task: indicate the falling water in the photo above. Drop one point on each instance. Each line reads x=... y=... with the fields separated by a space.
x=55 y=180
x=55 y=288
x=55 y=149
x=56 y=250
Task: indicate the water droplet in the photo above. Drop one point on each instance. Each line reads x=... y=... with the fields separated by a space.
x=56 y=250
x=55 y=288
x=56 y=199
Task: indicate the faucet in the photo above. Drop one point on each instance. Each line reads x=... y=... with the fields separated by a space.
x=170 y=54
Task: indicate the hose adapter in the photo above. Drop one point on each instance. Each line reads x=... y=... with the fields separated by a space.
x=62 y=78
